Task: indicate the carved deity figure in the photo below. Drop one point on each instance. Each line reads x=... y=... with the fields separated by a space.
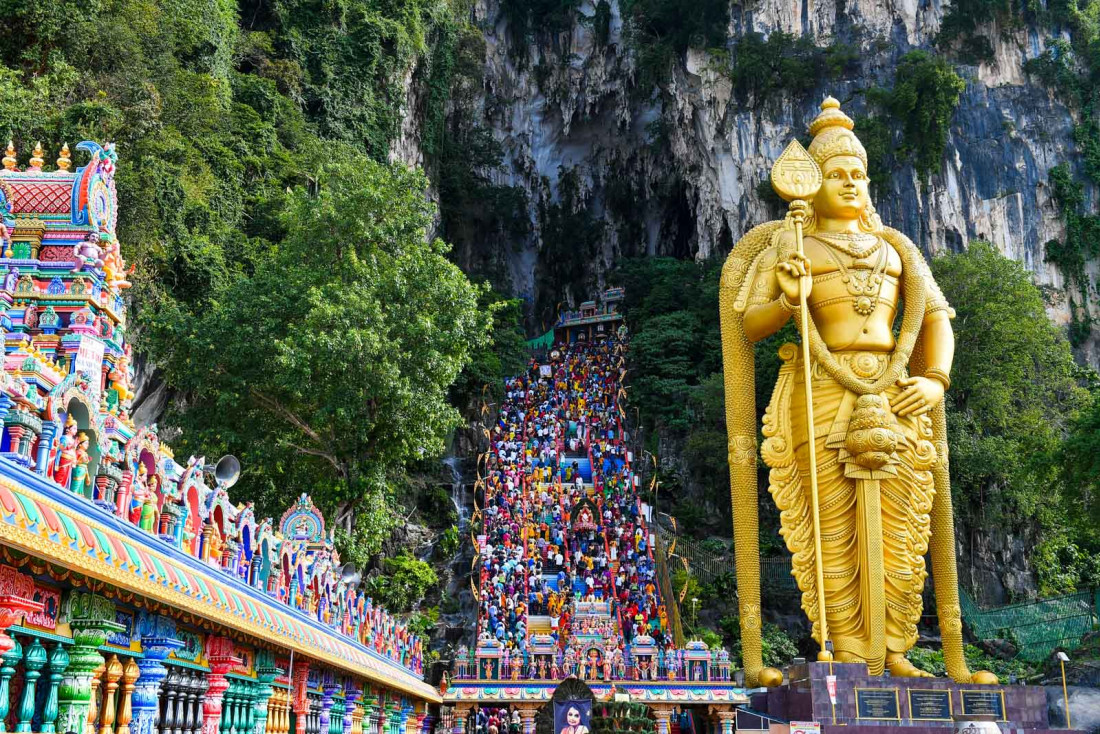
x=66 y=454
x=80 y=466
x=878 y=416
x=149 y=507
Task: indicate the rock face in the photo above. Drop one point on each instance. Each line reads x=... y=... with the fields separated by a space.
x=675 y=171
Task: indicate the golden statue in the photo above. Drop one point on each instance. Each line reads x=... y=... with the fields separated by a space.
x=858 y=470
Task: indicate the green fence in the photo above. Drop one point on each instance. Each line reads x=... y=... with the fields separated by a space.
x=1037 y=627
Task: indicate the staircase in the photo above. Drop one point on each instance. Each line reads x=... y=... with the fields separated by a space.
x=538 y=624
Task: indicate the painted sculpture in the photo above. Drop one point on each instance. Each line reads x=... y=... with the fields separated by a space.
x=859 y=471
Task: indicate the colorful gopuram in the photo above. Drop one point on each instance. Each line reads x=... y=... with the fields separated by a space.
x=135 y=597
x=568 y=585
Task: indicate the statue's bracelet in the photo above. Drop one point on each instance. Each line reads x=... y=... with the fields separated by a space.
x=786 y=303
x=939 y=376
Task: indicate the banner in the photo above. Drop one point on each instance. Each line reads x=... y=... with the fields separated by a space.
x=89 y=360
x=572 y=717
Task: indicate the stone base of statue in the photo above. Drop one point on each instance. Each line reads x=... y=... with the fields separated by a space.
x=875 y=703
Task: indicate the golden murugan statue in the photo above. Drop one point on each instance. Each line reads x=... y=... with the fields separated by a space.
x=865 y=498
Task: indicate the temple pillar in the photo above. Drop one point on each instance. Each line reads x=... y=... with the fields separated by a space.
x=726 y=720
x=130 y=673
x=158 y=641
x=9 y=659
x=329 y=688
x=59 y=661
x=351 y=696
x=527 y=717
x=300 y=698
x=461 y=713
x=91 y=619
x=33 y=662
x=219 y=655
x=196 y=695
x=266 y=673
x=663 y=713
x=171 y=683
x=368 y=707
x=249 y=725
x=45 y=443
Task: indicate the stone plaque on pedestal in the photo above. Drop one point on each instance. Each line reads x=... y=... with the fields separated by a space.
x=991 y=703
x=920 y=705
x=877 y=703
x=927 y=704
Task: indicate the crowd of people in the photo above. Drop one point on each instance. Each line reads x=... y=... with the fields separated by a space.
x=502 y=720
x=562 y=520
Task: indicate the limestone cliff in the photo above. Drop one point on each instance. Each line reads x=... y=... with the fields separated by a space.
x=675 y=170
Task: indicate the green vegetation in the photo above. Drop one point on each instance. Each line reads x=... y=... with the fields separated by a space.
x=403 y=585
x=661 y=31
x=762 y=68
x=777 y=647
x=1014 y=398
x=921 y=103
x=1016 y=401
x=485 y=373
x=354 y=289
x=931 y=661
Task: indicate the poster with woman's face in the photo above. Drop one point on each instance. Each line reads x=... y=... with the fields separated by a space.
x=572 y=717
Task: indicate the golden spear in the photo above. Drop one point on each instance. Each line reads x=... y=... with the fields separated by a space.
x=796 y=177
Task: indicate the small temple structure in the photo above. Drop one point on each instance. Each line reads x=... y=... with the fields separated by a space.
x=135 y=597
x=593 y=320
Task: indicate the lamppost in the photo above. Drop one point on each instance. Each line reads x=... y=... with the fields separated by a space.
x=1062 y=660
x=694 y=613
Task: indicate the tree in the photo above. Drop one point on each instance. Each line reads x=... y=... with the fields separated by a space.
x=1014 y=391
x=1016 y=395
x=403 y=583
x=328 y=369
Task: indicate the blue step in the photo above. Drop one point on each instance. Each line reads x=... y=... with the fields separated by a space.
x=584 y=466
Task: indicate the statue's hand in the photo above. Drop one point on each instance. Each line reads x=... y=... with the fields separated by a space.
x=920 y=395
x=789 y=272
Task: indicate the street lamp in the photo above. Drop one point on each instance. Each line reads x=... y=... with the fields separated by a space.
x=1062 y=660
x=694 y=611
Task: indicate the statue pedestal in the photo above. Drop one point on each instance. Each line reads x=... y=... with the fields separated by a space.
x=875 y=703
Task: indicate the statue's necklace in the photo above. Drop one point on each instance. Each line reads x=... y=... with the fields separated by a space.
x=862 y=284
x=854 y=244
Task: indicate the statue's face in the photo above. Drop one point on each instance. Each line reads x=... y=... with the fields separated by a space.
x=843 y=193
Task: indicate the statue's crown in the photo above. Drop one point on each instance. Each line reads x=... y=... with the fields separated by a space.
x=833 y=136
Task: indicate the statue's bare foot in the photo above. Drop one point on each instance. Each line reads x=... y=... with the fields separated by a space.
x=984 y=677
x=900 y=667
